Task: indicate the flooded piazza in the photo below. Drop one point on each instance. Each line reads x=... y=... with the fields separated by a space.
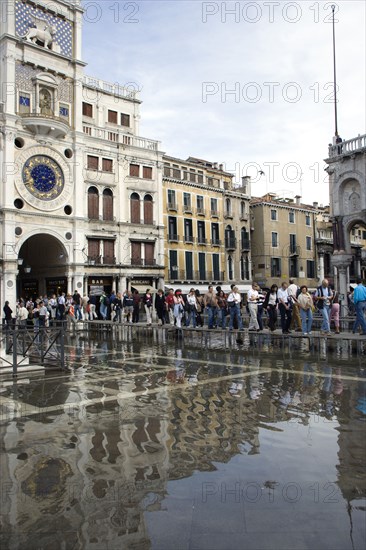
x=148 y=442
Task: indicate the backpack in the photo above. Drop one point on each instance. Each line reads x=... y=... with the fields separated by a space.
x=106 y=301
x=319 y=292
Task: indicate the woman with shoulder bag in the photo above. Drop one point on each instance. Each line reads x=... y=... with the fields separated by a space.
x=191 y=307
x=178 y=308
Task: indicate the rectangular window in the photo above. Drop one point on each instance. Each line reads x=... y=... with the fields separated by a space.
x=125 y=120
x=201 y=234
x=173 y=264
x=134 y=170
x=87 y=109
x=147 y=172
x=307 y=220
x=187 y=201
x=293 y=248
x=200 y=176
x=216 y=267
x=274 y=215
x=176 y=171
x=188 y=231
x=213 y=206
x=112 y=116
x=275 y=267
x=215 y=235
x=94 y=250
x=149 y=253
x=189 y=266
x=108 y=252
x=192 y=175
x=274 y=240
x=172 y=229
x=202 y=265
x=310 y=269
x=92 y=162
x=136 y=254
x=167 y=169
x=308 y=243
x=291 y=217
x=107 y=165
x=171 y=199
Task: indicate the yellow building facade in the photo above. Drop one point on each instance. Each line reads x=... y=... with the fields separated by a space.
x=201 y=211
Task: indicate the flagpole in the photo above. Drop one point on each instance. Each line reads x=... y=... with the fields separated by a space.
x=334 y=75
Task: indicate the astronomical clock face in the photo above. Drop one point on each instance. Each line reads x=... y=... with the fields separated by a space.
x=43 y=177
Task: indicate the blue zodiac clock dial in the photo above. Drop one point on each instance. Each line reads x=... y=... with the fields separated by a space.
x=43 y=177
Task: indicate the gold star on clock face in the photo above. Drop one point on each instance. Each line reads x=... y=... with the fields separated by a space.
x=43 y=177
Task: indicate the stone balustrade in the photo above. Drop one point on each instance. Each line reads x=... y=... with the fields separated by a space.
x=127 y=92
x=116 y=136
x=347 y=147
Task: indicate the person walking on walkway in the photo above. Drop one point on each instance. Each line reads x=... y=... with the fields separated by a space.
x=293 y=292
x=253 y=297
x=210 y=302
x=334 y=312
x=233 y=302
x=324 y=296
x=305 y=302
x=285 y=308
x=271 y=305
x=359 y=299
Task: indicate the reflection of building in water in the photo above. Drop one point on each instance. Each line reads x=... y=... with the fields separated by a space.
x=352 y=445
x=97 y=469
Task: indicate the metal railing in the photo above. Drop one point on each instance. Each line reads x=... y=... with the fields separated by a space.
x=25 y=346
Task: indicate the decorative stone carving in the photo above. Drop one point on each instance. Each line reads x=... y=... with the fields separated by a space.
x=44 y=32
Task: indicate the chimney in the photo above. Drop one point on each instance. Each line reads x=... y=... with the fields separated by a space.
x=298 y=197
x=221 y=167
x=315 y=204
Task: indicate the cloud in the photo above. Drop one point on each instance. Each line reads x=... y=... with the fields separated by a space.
x=171 y=52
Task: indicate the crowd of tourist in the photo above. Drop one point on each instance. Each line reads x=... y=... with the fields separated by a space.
x=290 y=306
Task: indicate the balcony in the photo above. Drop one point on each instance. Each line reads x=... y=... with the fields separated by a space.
x=45 y=125
x=228 y=214
x=189 y=239
x=187 y=209
x=115 y=89
x=109 y=260
x=214 y=214
x=216 y=242
x=200 y=212
x=94 y=260
x=172 y=238
x=121 y=138
x=230 y=243
x=245 y=245
x=201 y=240
x=348 y=147
x=244 y=217
x=172 y=206
x=294 y=250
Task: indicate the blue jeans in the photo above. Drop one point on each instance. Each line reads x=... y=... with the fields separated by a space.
x=306 y=319
x=360 y=316
x=325 y=324
x=211 y=316
x=222 y=317
x=235 y=312
x=191 y=315
x=78 y=314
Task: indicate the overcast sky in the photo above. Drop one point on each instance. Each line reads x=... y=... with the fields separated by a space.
x=275 y=58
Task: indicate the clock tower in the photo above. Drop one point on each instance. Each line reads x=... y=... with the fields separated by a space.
x=41 y=144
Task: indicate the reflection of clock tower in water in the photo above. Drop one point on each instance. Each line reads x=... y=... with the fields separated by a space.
x=40 y=64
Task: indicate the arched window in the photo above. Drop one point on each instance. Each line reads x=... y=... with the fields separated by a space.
x=244 y=238
x=107 y=205
x=230 y=268
x=135 y=208
x=228 y=207
x=148 y=209
x=93 y=203
x=242 y=210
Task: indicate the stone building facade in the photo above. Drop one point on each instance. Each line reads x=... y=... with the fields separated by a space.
x=207 y=225
x=347 y=189
x=80 y=200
